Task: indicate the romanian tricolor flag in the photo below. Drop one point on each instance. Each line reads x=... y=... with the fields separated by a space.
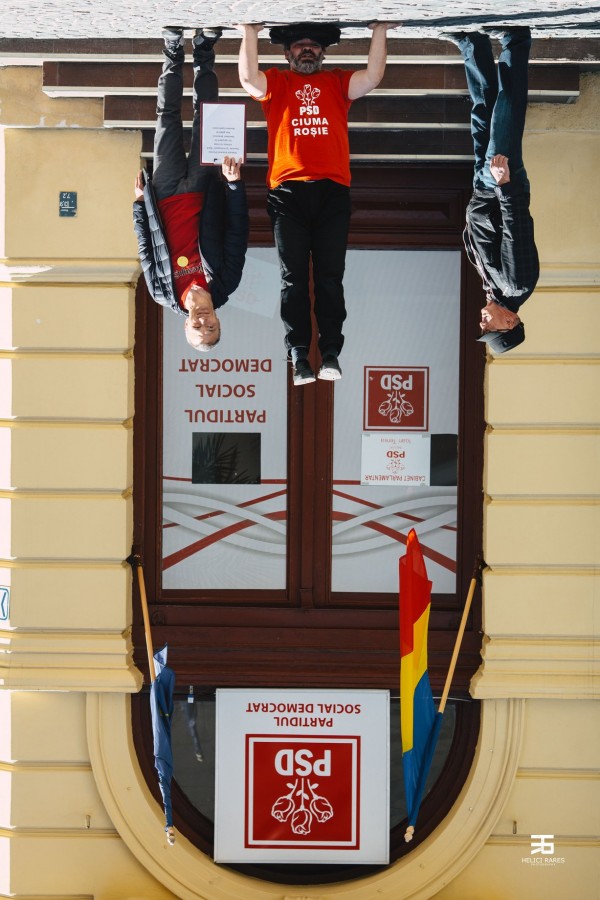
x=419 y=720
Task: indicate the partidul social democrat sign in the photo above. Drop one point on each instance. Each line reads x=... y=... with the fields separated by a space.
x=302 y=776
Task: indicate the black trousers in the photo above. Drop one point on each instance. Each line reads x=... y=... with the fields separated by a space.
x=174 y=172
x=310 y=220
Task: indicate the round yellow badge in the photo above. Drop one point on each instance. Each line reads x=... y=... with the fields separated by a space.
x=182 y=261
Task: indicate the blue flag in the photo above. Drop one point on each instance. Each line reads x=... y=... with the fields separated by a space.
x=161 y=708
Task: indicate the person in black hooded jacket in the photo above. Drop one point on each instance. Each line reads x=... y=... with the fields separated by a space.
x=192 y=227
x=499 y=233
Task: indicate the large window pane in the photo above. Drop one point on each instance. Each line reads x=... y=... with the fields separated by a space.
x=224 y=444
x=401 y=377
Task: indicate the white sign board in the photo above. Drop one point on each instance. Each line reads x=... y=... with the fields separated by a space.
x=302 y=776
x=395 y=458
x=223 y=132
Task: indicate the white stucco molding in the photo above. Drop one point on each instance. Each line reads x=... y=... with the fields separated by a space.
x=59 y=661
x=191 y=875
x=565 y=668
x=70 y=271
x=568 y=276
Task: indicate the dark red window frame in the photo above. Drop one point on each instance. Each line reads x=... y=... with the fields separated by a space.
x=305 y=636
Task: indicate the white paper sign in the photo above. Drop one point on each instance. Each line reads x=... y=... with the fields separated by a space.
x=302 y=776
x=394 y=458
x=223 y=132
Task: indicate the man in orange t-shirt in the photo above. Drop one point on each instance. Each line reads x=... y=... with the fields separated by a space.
x=309 y=177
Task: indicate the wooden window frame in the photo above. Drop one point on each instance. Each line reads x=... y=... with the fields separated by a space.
x=302 y=636
x=298 y=637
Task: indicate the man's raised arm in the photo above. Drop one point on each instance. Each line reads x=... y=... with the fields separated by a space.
x=366 y=79
x=251 y=78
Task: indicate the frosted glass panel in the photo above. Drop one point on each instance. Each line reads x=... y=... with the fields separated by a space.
x=400 y=388
x=224 y=444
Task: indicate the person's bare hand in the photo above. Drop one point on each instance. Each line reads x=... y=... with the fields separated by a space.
x=139 y=186
x=250 y=26
x=499 y=169
x=379 y=26
x=231 y=168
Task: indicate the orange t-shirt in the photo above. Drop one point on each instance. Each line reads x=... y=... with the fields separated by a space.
x=180 y=216
x=307 y=123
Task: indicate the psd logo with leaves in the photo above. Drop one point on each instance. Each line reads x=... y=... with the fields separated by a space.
x=302 y=791
x=396 y=399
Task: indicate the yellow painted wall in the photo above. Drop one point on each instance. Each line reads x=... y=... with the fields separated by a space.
x=66 y=406
x=76 y=819
x=23 y=102
x=542 y=529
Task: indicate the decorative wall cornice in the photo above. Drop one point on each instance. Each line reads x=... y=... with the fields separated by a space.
x=521 y=667
x=68 y=271
x=51 y=661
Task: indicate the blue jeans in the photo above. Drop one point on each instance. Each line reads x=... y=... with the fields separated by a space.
x=499 y=102
x=174 y=172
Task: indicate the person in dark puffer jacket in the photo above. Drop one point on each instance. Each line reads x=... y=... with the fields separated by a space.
x=192 y=227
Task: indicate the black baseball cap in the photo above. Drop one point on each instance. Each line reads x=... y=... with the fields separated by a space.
x=501 y=341
x=320 y=32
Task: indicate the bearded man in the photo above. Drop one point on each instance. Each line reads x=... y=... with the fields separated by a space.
x=306 y=109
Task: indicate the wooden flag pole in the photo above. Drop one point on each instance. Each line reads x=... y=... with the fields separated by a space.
x=479 y=566
x=134 y=560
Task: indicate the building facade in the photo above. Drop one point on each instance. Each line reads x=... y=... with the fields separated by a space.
x=78 y=818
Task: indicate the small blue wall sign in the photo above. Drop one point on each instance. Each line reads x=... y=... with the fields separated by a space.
x=4 y=598
x=67 y=203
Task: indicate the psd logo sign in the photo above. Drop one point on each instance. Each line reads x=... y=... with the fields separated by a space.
x=396 y=398
x=302 y=792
